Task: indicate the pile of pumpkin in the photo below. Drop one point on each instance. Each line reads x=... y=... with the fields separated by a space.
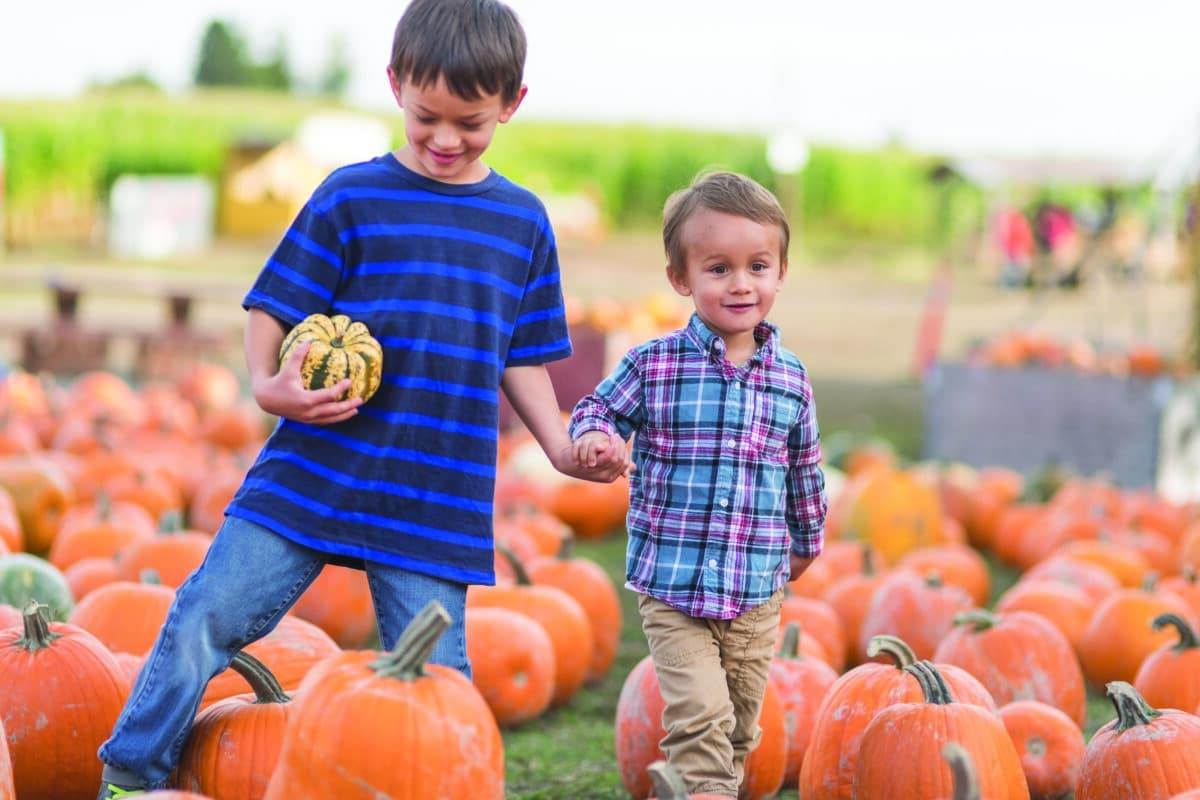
x=889 y=653
x=1022 y=348
x=96 y=481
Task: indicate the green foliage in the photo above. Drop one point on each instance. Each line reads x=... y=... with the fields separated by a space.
x=223 y=60
x=81 y=146
x=335 y=75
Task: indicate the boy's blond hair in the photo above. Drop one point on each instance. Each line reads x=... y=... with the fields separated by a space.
x=729 y=193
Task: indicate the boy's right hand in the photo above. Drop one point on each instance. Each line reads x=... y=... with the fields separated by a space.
x=284 y=395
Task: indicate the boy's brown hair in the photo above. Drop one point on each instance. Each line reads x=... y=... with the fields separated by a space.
x=476 y=46
x=729 y=193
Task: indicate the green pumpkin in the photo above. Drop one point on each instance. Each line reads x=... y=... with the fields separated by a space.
x=340 y=349
x=24 y=577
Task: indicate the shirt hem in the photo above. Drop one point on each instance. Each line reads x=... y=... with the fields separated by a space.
x=444 y=572
x=684 y=609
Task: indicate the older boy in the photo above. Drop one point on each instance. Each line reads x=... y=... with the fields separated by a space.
x=454 y=270
x=728 y=499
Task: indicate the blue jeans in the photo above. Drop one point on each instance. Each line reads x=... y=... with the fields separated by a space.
x=249 y=579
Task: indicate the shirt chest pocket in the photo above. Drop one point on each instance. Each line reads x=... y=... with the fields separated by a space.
x=769 y=418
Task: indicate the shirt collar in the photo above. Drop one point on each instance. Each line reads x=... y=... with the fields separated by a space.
x=766 y=334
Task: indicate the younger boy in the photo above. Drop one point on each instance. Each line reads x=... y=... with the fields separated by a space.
x=728 y=499
x=454 y=270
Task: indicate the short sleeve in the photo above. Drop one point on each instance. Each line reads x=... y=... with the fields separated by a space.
x=540 y=330
x=301 y=276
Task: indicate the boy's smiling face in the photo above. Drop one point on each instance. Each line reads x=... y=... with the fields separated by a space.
x=447 y=134
x=733 y=272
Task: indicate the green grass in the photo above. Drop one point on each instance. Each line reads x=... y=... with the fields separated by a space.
x=570 y=753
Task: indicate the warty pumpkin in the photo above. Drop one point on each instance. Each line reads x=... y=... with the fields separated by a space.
x=62 y=694
x=1143 y=753
x=339 y=349
x=904 y=741
x=1049 y=744
x=443 y=740
x=233 y=746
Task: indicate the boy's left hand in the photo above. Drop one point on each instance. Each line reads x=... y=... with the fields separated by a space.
x=594 y=460
x=798 y=565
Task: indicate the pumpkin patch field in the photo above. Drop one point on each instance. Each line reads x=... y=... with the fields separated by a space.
x=966 y=633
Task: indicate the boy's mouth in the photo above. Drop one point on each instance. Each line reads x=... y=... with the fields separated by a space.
x=740 y=306
x=443 y=158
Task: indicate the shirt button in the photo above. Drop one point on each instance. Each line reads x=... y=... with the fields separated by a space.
x=730 y=443
x=712 y=562
x=724 y=502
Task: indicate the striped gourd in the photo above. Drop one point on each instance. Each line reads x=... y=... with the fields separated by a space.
x=340 y=349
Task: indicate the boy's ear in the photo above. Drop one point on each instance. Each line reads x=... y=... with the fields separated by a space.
x=395 y=82
x=681 y=288
x=507 y=112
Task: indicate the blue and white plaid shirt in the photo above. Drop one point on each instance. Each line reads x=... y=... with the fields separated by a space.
x=728 y=476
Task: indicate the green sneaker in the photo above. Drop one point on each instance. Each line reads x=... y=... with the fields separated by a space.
x=114 y=791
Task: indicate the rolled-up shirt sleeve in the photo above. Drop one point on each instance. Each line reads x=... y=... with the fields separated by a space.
x=806 y=499
x=617 y=404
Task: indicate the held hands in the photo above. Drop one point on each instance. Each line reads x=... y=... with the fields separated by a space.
x=596 y=456
x=283 y=394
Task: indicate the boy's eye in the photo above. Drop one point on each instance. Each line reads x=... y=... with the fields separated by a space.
x=759 y=266
x=471 y=126
x=425 y=120
x=719 y=269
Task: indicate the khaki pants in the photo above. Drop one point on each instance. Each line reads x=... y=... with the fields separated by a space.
x=712 y=675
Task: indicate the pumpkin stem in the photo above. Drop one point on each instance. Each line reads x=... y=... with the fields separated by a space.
x=37 y=634
x=894 y=647
x=407 y=660
x=868 y=561
x=1187 y=636
x=668 y=783
x=966 y=783
x=933 y=685
x=518 y=568
x=933 y=579
x=980 y=619
x=1132 y=709
x=1189 y=573
x=789 y=648
x=150 y=576
x=259 y=676
x=170 y=522
x=1149 y=581
x=103 y=506
x=566 y=548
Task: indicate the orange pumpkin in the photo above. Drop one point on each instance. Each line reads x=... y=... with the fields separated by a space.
x=1017 y=656
x=150 y=489
x=918 y=610
x=903 y=743
x=290 y=651
x=1127 y=565
x=512 y=663
x=957 y=565
x=446 y=738
x=639 y=730
x=1120 y=637
x=563 y=619
x=1049 y=744
x=209 y=501
x=125 y=615
x=853 y=701
x=1065 y=607
x=591 y=587
x=339 y=603
x=813 y=583
x=1170 y=676
x=820 y=622
x=1186 y=587
x=802 y=684
x=9 y=617
x=234 y=745
x=1143 y=753
x=99 y=530
x=7 y=790
x=12 y=540
x=851 y=558
x=1096 y=581
x=62 y=695
x=88 y=574
x=850 y=597
x=41 y=492
x=890 y=509
x=1189 y=549
x=173 y=553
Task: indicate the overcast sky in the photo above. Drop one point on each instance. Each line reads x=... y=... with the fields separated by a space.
x=1081 y=77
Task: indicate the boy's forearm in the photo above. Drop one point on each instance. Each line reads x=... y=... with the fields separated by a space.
x=264 y=335
x=531 y=394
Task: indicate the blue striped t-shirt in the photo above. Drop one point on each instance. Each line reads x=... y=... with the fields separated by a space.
x=456 y=281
